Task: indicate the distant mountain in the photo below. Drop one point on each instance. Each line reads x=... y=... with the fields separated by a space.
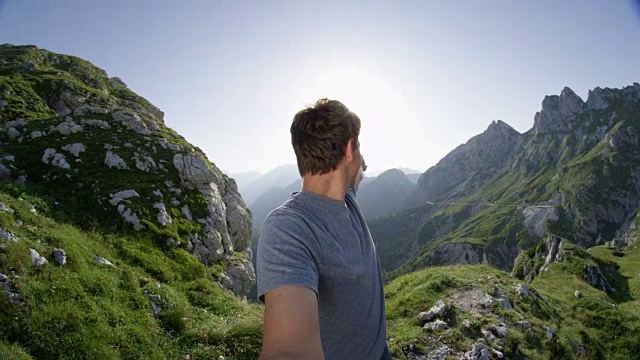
x=243 y=179
x=270 y=200
x=414 y=177
x=575 y=174
x=279 y=177
x=385 y=194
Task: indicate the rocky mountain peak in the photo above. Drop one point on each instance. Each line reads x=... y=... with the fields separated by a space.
x=557 y=111
x=394 y=176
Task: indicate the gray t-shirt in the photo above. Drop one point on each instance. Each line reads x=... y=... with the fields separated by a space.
x=325 y=245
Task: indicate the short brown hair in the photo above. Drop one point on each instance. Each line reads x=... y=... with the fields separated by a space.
x=320 y=134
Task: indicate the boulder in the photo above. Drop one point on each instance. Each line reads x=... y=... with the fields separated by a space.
x=479 y=351
x=439 y=309
x=75 y=149
x=523 y=291
x=102 y=261
x=499 y=330
x=36 y=259
x=163 y=216
x=60 y=256
x=6 y=235
x=435 y=325
x=114 y=161
x=550 y=333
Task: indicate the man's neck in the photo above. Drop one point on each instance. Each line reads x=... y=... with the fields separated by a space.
x=333 y=185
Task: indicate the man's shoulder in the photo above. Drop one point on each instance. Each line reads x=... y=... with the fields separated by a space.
x=287 y=215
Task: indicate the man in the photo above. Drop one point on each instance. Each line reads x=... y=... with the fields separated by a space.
x=318 y=271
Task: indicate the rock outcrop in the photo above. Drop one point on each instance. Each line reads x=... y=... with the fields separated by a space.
x=90 y=142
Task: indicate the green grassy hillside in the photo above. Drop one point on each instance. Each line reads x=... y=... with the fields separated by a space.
x=595 y=325
x=88 y=310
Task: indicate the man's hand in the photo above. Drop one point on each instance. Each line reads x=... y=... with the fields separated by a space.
x=291 y=324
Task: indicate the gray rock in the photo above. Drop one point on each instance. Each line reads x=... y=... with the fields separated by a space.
x=54 y=158
x=172 y=243
x=102 y=261
x=3 y=207
x=578 y=294
x=525 y=325
x=132 y=121
x=187 y=213
x=550 y=333
x=504 y=300
x=60 y=256
x=523 y=291
x=498 y=354
x=36 y=134
x=130 y=216
x=6 y=235
x=598 y=99
x=18 y=123
x=435 y=325
x=15 y=298
x=75 y=149
x=36 y=259
x=13 y=133
x=114 y=161
x=119 y=81
x=157 y=310
x=439 y=309
x=557 y=112
x=3 y=278
x=226 y=281
x=97 y=123
x=167 y=145
x=536 y=218
x=163 y=216
x=242 y=276
x=122 y=196
x=144 y=163
x=194 y=171
x=85 y=109
x=479 y=351
x=68 y=127
x=595 y=277
x=424 y=317
x=499 y=330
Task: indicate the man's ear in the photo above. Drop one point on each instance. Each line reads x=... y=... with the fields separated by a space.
x=348 y=154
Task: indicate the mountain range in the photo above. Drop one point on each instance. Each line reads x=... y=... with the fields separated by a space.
x=119 y=239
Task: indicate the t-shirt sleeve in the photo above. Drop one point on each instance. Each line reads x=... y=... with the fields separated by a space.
x=287 y=255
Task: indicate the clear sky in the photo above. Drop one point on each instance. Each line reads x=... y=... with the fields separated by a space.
x=424 y=76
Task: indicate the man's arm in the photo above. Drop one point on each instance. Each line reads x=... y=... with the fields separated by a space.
x=291 y=324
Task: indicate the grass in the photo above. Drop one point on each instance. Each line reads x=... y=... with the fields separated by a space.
x=604 y=324
x=83 y=309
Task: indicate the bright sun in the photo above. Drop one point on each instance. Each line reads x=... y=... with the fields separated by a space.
x=389 y=123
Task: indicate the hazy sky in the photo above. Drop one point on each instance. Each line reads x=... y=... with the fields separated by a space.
x=424 y=76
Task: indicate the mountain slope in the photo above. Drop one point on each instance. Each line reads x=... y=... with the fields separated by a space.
x=118 y=238
x=149 y=304
x=385 y=195
x=277 y=178
x=575 y=173
x=491 y=312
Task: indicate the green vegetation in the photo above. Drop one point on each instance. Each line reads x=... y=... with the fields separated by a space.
x=604 y=325
x=87 y=310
